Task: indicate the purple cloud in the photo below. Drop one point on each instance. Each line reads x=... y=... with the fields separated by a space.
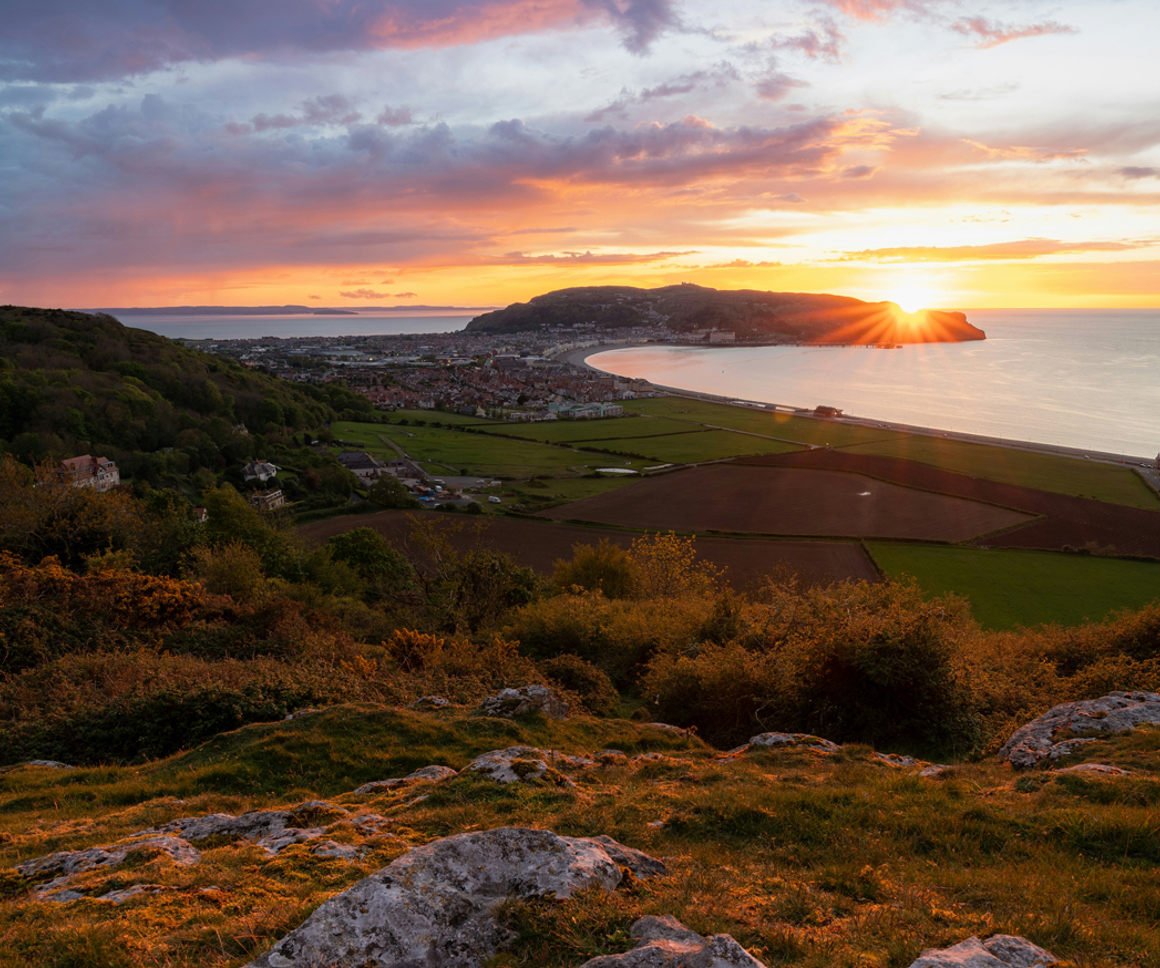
x=77 y=40
x=1132 y=172
x=824 y=43
x=719 y=78
x=991 y=33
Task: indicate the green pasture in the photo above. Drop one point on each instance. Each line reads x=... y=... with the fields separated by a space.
x=605 y=429
x=1047 y=472
x=694 y=447
x=436 y=416
x=802 y=430
x=1011 y=588
x=444 y=451
x=565 y=490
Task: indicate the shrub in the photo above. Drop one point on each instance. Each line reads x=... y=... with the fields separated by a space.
x=590 y=684
x=604 y=568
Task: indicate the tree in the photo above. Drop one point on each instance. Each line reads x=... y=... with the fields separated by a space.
x=384 y=570
x=388 y=492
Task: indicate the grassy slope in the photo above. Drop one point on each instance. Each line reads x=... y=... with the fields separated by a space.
x=1011 y=588
x=1063 y=475
x=817 y=862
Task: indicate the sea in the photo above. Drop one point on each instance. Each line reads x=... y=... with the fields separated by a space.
x=292 y=325
x=1086 y=378
x=1077 y=378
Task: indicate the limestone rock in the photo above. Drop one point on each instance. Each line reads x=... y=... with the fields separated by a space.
x=298 y=714
x=429 y=703
x=270 y=829
x=895 y=759
x=524 y=763
x=1117 y=712
x=666 y=943
x=1100 y=769
x=62 y=866
x=429 y=774
x=611 y=758
x=936 y=771
x=787 y=741
x=433 y=905
x=999 y=951
x=50 y=764
x=509 y=703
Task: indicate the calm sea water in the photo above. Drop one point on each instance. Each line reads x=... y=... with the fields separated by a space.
x=252 y=327
x=1081 y=378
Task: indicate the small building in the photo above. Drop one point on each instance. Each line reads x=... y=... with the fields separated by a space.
x=99 y=473
x=362 y=465
x=269 y=500
x=822 y=411
x=259 y=470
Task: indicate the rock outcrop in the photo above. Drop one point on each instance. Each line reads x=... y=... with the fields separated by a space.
x=787 y=741
x=429 y=703
x=663 y=942
x=509 y=703
x=999 y=951
x=524 y=763
x=428 y=774
x=434 y=905
x=272 y=830
x=1117 y=712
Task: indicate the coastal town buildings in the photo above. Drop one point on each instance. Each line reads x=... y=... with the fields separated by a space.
x=99 y=473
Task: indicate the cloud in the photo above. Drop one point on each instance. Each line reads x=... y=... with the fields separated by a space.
x=406 y=295
x=77 y=40
x=773 y=85
x=991 y=33
x=394 y=117
x=718 y=78
x=585 y=258
x=823 y=43
x=1021 y=249
x=979 y=93
x=742 y=264
x=1133 y=172
x=640 y=22
x=791 y=197
x=364 y=294
x=872 y=9
x=858 y=171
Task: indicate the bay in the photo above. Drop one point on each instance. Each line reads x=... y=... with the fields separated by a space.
x=293 y=325
x=1077 y=378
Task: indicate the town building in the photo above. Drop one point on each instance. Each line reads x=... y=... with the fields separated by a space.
x=88 y=471
x=259 y=470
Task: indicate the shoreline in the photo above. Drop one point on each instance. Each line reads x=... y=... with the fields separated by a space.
x=1146 y=468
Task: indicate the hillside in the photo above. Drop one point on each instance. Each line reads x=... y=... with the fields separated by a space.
x=749 y=313
x=74 y=383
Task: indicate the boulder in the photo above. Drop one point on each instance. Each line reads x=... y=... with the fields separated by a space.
x=895 y=759
x=1099 y=769
x=666 y=943
x=429 y=703
x=509 y=703
x=524 y=763
x=434 y=905
x=427 y=774
x=1117 y=712
x=998 y=951
x=62 y=866
x=787 y=741
x=50 y=764
x=272 y=830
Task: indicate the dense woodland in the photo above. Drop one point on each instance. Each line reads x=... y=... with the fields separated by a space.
x=73 y=383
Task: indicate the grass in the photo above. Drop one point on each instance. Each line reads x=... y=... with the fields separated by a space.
x=595 y=430
x=810 y=861
x=1048 y=472
x=693 y=447
x=1012 y=588
x=487 y=456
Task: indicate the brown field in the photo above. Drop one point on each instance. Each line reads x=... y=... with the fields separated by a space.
x=789 y=501
x=539 y=544
x=1075 y=522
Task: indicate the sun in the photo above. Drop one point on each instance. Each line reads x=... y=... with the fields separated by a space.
x=911 y=298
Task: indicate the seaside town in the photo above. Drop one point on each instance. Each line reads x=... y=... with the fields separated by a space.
x=511 y=376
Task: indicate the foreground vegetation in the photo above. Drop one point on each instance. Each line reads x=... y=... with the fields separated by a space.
x=814 y=861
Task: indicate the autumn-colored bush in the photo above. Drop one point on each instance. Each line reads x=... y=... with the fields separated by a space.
x=591 y=685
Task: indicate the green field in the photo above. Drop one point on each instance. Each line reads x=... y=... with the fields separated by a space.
x=450 y=451
x=694 y=447
x=1012 y=587
x=1047 y=472
x=610 y=427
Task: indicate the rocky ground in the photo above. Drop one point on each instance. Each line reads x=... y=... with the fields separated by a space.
x=361 y=835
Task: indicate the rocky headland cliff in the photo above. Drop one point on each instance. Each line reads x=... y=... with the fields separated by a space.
x=747 y=313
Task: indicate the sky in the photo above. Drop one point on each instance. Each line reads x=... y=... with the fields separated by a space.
x=940 y=153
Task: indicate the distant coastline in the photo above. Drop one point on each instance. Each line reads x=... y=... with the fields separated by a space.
x=288 y=310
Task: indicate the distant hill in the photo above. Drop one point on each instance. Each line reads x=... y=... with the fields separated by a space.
x=74 y=383
x=750 y=313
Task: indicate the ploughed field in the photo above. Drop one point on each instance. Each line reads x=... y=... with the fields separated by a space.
x=540 y=545
x=790 y=500
x=1061 y=521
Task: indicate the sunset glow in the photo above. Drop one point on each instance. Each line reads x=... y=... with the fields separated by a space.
x=945 y=154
